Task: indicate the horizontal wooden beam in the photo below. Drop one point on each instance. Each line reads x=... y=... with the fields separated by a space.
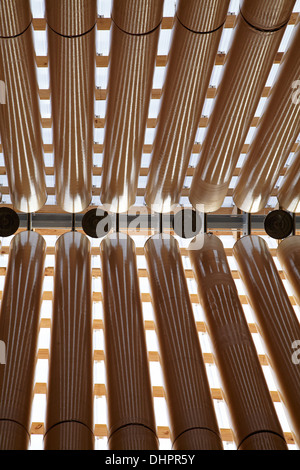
x=99 y=123
x=163 y=432
x=102 y=61
x=95 y=251
x=100 y=94
x=153 y=356
x=98 y=148
x=140 y=191
x=148 y=324
x=96 y=273
x=157 y=392
x=104 y=24
x=146 y=297
x=97 y=171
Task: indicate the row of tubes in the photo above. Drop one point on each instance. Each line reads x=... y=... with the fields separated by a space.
x=131 y=419
x=134 y=37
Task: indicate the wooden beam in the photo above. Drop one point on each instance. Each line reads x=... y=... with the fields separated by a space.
x=99 y=123
x=100 y=94
x=95 y=251
x=163 y=432
x=97 y=171
x=161 y=60
x=149 y=325
x=98 y=148
x=96 y=273
x=157 y=392
x=153 y=356
x=140 y=191
x=104 y=24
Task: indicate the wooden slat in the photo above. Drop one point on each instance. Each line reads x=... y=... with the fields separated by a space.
x=157 y=392
x=102 y=61
x=46 y=323
x=148 y=324
x=147 y=148
x=39 y=24
x=40 y=388
x=96 y=272
x=37 y=428
x=100 y=94
x=140 y=191
x=95 y=251
x=131 y=232
x=153 y=356
x=146 y=297
x=104 y=24
x=99 y=123
x=163 y=432
x=97 y=171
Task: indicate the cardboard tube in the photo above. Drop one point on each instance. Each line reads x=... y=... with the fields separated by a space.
x=195 y=39
x=134 y=39
x=193 y=422
x=137 y=16
x=72 y=52
x=289 y=190
x=275 y=317
x=15 y=17
x=131 y=420
x=254 y=420
x=20 y=126
x=274 y=138
x=288 y=253
x=69 y=417
x=257 y=36
x=267 y=15
x=265 y=441
x=19 y=328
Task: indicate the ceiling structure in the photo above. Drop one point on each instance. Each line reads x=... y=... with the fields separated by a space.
x=227 y=233
x=102 y=60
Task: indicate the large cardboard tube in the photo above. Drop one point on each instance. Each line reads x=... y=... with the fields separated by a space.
x=289 y=190
x=134 y=39
x=254 y=420
x=20 y=126
x=72 y=52
x=69 y=417
x=274 y=138
x=257 y=36
x=193 y=422
x=267 y=15
x=195 y=39
x=19 y=328
x=131 y=420
x=277 y=322
x=288 y=253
